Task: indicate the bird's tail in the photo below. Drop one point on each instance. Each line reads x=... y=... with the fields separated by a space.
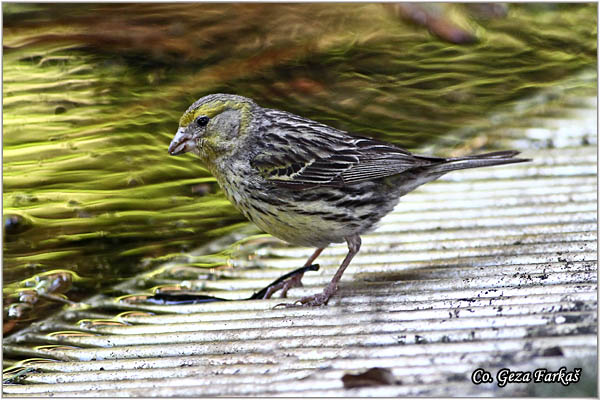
x=476 y=161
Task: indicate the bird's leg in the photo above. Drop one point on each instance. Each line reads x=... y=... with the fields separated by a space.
x=294 y=281
x=323 y=297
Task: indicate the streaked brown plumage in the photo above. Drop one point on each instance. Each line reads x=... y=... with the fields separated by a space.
x=305 y=182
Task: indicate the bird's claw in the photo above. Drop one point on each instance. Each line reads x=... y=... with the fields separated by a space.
x=315 y=300
x=296 y=281
x=284 y=286
x=284 y=283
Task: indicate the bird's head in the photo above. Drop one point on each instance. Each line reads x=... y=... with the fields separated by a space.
x=213 y=125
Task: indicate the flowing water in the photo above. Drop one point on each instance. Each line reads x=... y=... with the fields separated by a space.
x=92 y=94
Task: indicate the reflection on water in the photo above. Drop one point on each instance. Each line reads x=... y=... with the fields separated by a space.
x=92 y=94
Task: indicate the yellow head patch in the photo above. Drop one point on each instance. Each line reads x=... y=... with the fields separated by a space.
x=209 y=109
x=215 y=107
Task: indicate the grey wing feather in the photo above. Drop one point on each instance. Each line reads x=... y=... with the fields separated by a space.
x=310 y=154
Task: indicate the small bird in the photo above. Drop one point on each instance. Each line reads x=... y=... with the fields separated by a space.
x=303 y=181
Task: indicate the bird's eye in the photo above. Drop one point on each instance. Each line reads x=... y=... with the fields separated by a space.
x=202 y=120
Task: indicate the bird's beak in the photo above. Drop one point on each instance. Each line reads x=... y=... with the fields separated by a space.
x=181 y=143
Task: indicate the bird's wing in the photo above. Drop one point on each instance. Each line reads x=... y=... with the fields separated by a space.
x=302 y=154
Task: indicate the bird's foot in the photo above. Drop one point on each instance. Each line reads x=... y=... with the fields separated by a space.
x=318 y=299
x=294 y=281
x=315 y=300
x=284 y=283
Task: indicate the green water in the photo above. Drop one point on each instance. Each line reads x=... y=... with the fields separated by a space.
x=92 y=94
